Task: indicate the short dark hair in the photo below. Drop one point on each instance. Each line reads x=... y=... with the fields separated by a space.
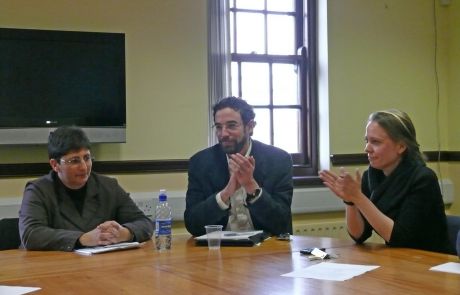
x=237 y=104
x=66 y=139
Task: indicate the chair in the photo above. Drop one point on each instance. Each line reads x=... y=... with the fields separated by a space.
x=458 y=244
x=453 y=228
x=9 y=234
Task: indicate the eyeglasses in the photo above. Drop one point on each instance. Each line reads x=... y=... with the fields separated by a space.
x=231 y=126
x=75 y=161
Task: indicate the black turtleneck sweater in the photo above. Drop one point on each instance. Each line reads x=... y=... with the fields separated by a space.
x=411 y=197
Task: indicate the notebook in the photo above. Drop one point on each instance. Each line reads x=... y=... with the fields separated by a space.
x=232 y=238
x=108 y=248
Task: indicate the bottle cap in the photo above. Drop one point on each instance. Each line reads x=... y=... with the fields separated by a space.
x=163 y=197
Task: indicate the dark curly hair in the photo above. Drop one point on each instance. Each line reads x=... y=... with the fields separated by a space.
x=238 y=105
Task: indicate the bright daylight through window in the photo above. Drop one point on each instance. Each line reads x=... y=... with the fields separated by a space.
x=273 y=68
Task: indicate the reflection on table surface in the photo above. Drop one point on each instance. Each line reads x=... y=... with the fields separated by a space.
x=190 y=269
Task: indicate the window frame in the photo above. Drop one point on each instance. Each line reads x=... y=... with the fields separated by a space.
x=305 y=163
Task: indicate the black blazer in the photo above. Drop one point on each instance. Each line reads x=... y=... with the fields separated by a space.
x=208 y=174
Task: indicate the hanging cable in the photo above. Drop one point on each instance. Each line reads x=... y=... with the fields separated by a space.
x=438 y=128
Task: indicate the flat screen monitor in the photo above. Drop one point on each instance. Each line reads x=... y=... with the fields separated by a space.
x=55 y=78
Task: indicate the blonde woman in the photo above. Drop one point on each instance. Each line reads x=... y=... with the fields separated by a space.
x=398 y=196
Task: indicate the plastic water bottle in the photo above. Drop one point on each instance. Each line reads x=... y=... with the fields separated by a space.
x=163 y=223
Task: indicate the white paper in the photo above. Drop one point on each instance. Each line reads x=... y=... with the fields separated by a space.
x=331 y=271
x=16 y=290
x=451 y=267
x=108 y=248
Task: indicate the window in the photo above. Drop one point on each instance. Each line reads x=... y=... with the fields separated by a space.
x=271 y=50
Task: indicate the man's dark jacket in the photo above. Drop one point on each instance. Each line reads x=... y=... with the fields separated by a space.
x=208 y=174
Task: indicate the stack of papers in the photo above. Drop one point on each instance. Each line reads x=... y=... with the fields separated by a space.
x=108 y=248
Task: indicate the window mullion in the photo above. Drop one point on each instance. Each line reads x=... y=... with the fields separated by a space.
x=304 y=58
x=272 y=124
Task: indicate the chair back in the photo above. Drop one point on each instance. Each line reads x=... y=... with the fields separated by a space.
x=458 y=244
x=9 y=234
x=453 y=227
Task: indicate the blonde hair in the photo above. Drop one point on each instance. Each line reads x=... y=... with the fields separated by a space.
x=399 y=127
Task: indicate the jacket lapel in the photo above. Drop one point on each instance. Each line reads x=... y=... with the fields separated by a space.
x=90 y=206
x=67 y=208
x=219 y=177
x=257 y=152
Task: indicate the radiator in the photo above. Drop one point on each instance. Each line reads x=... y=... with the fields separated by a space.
x=305 y=200
x=336 y=229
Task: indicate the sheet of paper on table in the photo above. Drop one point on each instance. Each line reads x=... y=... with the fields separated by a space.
x=16 y=290
x=331 y=271
x=452 y=267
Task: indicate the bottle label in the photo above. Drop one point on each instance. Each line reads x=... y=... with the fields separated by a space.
x=163 y=226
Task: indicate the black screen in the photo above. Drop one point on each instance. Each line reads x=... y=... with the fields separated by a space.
x=54 y=78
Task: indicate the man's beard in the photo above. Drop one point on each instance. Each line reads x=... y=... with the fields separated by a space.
x=235 y=148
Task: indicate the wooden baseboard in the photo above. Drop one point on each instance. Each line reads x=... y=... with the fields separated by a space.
x=105 y=167
x=181 y=165
x=361 y=159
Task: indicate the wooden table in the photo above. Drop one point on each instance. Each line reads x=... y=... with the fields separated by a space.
x=188 y=269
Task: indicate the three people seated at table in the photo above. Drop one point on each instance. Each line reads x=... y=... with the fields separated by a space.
x=398 y=196
x=72 y=206
x=239 y=183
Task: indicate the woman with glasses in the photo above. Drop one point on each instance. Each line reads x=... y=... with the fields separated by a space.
x=72 y=207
